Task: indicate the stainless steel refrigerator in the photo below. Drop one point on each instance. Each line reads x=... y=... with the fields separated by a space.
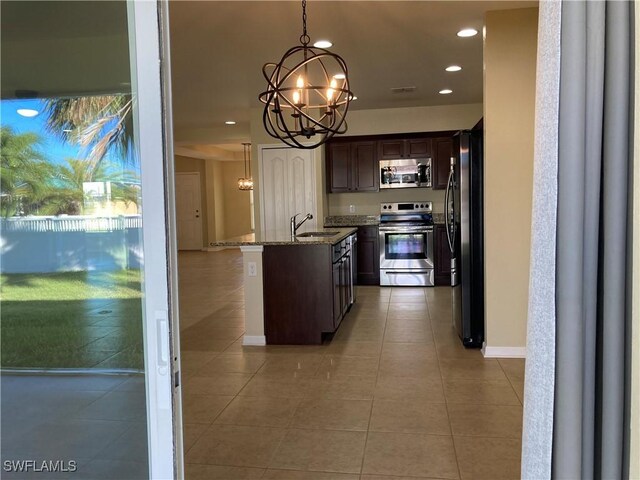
x=464 y=224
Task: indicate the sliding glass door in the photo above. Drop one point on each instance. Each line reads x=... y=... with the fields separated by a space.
x=86 y=355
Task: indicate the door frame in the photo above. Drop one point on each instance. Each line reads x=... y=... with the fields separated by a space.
x=148 y=42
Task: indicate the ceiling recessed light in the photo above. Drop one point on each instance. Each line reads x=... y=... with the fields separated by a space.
x=467 y=32
x=453 y=68
x=229 y=122
x=27 y=112
x=446 y=91
x=323 y=44
x=339 y=76
x=353 y=97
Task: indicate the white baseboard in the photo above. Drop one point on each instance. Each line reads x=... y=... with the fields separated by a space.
x=254 y=340
x=503 y=352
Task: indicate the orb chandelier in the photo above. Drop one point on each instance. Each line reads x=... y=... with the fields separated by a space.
x=246 y=182
x=307 y=94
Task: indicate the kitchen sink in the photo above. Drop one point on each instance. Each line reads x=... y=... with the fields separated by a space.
x=317 y=234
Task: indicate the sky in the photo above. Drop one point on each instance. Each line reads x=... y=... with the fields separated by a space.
x=54 y=148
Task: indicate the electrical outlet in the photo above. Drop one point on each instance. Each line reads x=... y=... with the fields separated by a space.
x=352 y=209
x=252 y=269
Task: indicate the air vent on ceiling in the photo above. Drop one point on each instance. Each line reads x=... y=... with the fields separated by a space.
x=403 y=89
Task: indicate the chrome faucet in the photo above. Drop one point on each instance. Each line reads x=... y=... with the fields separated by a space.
x=295 y=226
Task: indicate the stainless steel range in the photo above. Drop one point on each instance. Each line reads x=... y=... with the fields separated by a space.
x=406 y=244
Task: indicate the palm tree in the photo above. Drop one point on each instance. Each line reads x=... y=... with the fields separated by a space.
x=99 y=124
x=24 y=174
x=68 y=195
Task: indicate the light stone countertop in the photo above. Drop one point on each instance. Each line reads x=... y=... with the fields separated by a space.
x=283 y=237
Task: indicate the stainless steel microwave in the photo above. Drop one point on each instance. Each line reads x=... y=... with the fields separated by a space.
x=405 y=173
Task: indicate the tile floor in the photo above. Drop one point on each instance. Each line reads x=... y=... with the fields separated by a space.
x=392 y=396
x=97 y=421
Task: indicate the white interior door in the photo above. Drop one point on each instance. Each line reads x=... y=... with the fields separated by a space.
x=189 y=211
x=287 y=185
x=302 y=184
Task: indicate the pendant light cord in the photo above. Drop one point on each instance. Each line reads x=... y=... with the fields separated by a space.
x=246 y=152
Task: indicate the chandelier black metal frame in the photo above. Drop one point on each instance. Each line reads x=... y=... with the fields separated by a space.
x=246 y=182
x=308 y=94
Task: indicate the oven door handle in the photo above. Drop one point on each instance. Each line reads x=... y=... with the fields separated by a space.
x=406 y=229
x=407 y=272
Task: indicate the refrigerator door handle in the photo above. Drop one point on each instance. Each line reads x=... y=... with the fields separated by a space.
x=446 y=209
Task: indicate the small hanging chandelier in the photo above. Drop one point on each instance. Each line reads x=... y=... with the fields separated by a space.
x=308 y=94
x=246 y=182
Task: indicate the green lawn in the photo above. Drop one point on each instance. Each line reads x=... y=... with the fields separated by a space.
x=71 y=320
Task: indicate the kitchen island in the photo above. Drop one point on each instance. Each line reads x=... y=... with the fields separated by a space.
x=296 y=288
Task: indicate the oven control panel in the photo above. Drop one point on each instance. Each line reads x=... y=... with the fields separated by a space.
x=406 y=207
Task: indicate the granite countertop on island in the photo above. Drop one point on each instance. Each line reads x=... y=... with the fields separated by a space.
x=283 y=237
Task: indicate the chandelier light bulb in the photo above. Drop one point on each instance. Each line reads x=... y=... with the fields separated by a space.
x=331 y=90
x=296 y=97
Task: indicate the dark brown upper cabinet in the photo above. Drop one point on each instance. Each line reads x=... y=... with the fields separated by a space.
x=404 y=148
x=442 y=147
x=352 y=167
x=353 y=163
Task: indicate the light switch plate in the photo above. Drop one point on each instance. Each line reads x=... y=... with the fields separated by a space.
x=352 y=209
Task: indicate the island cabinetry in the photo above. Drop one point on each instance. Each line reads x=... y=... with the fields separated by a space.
x=306 y=290
x=352 y=167
x=341 y=286
x=298 y=293
x=368 y=261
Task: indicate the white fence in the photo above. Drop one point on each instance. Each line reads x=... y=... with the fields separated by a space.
x=70 y=243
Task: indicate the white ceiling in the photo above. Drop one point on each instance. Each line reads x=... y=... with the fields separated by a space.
x=218 y=49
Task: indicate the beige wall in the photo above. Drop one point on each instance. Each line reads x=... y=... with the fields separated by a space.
x=413 y=119
x=509 y=100
x=186 y=165
x=215 y=200
x=369 y=203
x=226 y=211
x=237 y=205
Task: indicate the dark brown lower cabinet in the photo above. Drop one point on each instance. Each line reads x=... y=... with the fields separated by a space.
x=306 y=292
x=337 y=294
x=442 y=256
x=368 y=256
